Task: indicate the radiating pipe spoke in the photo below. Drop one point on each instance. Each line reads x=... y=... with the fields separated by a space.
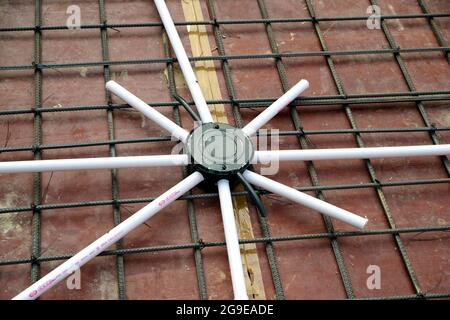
x=115 y=234
x=94 y=163
x=275 y=107
x=351 y=153
x=305 y=199
x=232 y=242
x=151 y=113
x=183 y=61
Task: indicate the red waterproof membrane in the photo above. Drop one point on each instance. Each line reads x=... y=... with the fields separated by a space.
x=100 y=129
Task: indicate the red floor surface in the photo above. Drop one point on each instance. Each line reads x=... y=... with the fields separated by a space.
x=308 y=268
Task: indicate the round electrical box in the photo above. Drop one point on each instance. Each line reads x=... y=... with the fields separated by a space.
x=219 y=150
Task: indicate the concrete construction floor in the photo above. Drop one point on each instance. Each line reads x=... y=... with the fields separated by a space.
x=412 y=264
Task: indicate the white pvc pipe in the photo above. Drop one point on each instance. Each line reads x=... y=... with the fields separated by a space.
x=275 y=107
x=184 y=63
x=177 y=131
x=94 y=163
x=109 y=238
x=351 y=153
x=231 y=238
x=305 y=199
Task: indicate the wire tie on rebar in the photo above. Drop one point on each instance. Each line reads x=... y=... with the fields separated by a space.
x=37 y=28
x=332 y=236
x=34 y=207
x=115 y=203
x=35 y=148
x=201 y=244
x=301 y=130
x=377 y=183
x=35 y=110
x=170 y=60
x=433 y=127
x=421 y=296
x=233 y=101
x=215 y=23
x=34 y=259
x=37 y=65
